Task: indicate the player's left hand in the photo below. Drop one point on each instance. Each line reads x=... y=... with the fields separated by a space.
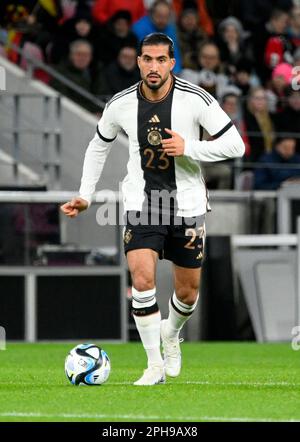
x=174 y=147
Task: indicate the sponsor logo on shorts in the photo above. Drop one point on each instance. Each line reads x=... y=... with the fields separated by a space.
x=199 y=256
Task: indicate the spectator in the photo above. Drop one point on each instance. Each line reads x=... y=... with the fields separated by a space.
x=208 y=72
x=278 y=47
x=200 y=6
x=231 y=105
x=271 y=43
x=233 y=43
x=78 y=27
x=220 y=175
x=159 y=20
x=288 y=122
x=123 y=72
x=103 y=10
x=259 y=124
x=31 y=22
x=244 y=78
x=114 y=36
x=33 y=52
x=284 y=155
x=293 y=31
x=255 y=13
x=281 y=79
x=79 y=69
x=13 y=14
x=190 y=36
x=43 y=24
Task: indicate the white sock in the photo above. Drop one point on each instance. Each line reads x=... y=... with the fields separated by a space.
x=147 y=320
x=179 y=313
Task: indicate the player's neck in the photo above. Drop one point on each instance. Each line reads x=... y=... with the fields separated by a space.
x=157 y=94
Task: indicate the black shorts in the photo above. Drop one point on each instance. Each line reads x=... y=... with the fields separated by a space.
x=181 y=242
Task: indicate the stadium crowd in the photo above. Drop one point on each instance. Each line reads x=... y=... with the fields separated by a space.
x=245 y=53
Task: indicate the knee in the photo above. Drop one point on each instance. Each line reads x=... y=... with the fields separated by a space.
x=187 y=293
x=142 y=282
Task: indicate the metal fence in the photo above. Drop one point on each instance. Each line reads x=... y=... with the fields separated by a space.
x=31 y=271
x=20 y=131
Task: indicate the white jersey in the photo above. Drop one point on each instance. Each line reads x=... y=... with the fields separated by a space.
x=188 y=110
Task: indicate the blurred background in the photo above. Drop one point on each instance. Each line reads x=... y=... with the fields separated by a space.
x=63 y=60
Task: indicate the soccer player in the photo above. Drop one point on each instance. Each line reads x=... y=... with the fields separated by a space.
x=164 y=118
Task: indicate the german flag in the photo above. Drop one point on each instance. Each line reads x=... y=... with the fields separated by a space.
x=14 y=37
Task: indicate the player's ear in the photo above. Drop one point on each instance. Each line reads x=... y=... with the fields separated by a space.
x=138 y=60
x=173 y=62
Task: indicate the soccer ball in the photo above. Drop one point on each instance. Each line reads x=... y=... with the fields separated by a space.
x=87 y=364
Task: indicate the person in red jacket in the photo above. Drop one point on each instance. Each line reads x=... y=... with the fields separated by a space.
x=103 y=10
x=268 y=43
x=278 y=47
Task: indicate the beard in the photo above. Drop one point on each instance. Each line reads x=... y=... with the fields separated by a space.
x=155 y=86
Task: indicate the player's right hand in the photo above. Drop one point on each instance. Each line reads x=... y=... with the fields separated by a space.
x=74 y=207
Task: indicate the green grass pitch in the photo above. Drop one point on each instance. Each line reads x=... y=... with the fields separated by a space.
x=219 y=382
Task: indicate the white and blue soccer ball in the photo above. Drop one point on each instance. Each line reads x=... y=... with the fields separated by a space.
x=87 y=364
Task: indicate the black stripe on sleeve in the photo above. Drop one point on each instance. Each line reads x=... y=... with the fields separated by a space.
x=195 y=88
x=222 y=131
x=107 y=140
x=184 y=89
x=121 y=95
x=124 y=91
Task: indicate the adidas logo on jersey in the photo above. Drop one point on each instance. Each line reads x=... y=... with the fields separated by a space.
x=154 y=119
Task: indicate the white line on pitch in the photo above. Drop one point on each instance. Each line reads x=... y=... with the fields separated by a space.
x=209 y=383
x=143 y=417
x=237 y=384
